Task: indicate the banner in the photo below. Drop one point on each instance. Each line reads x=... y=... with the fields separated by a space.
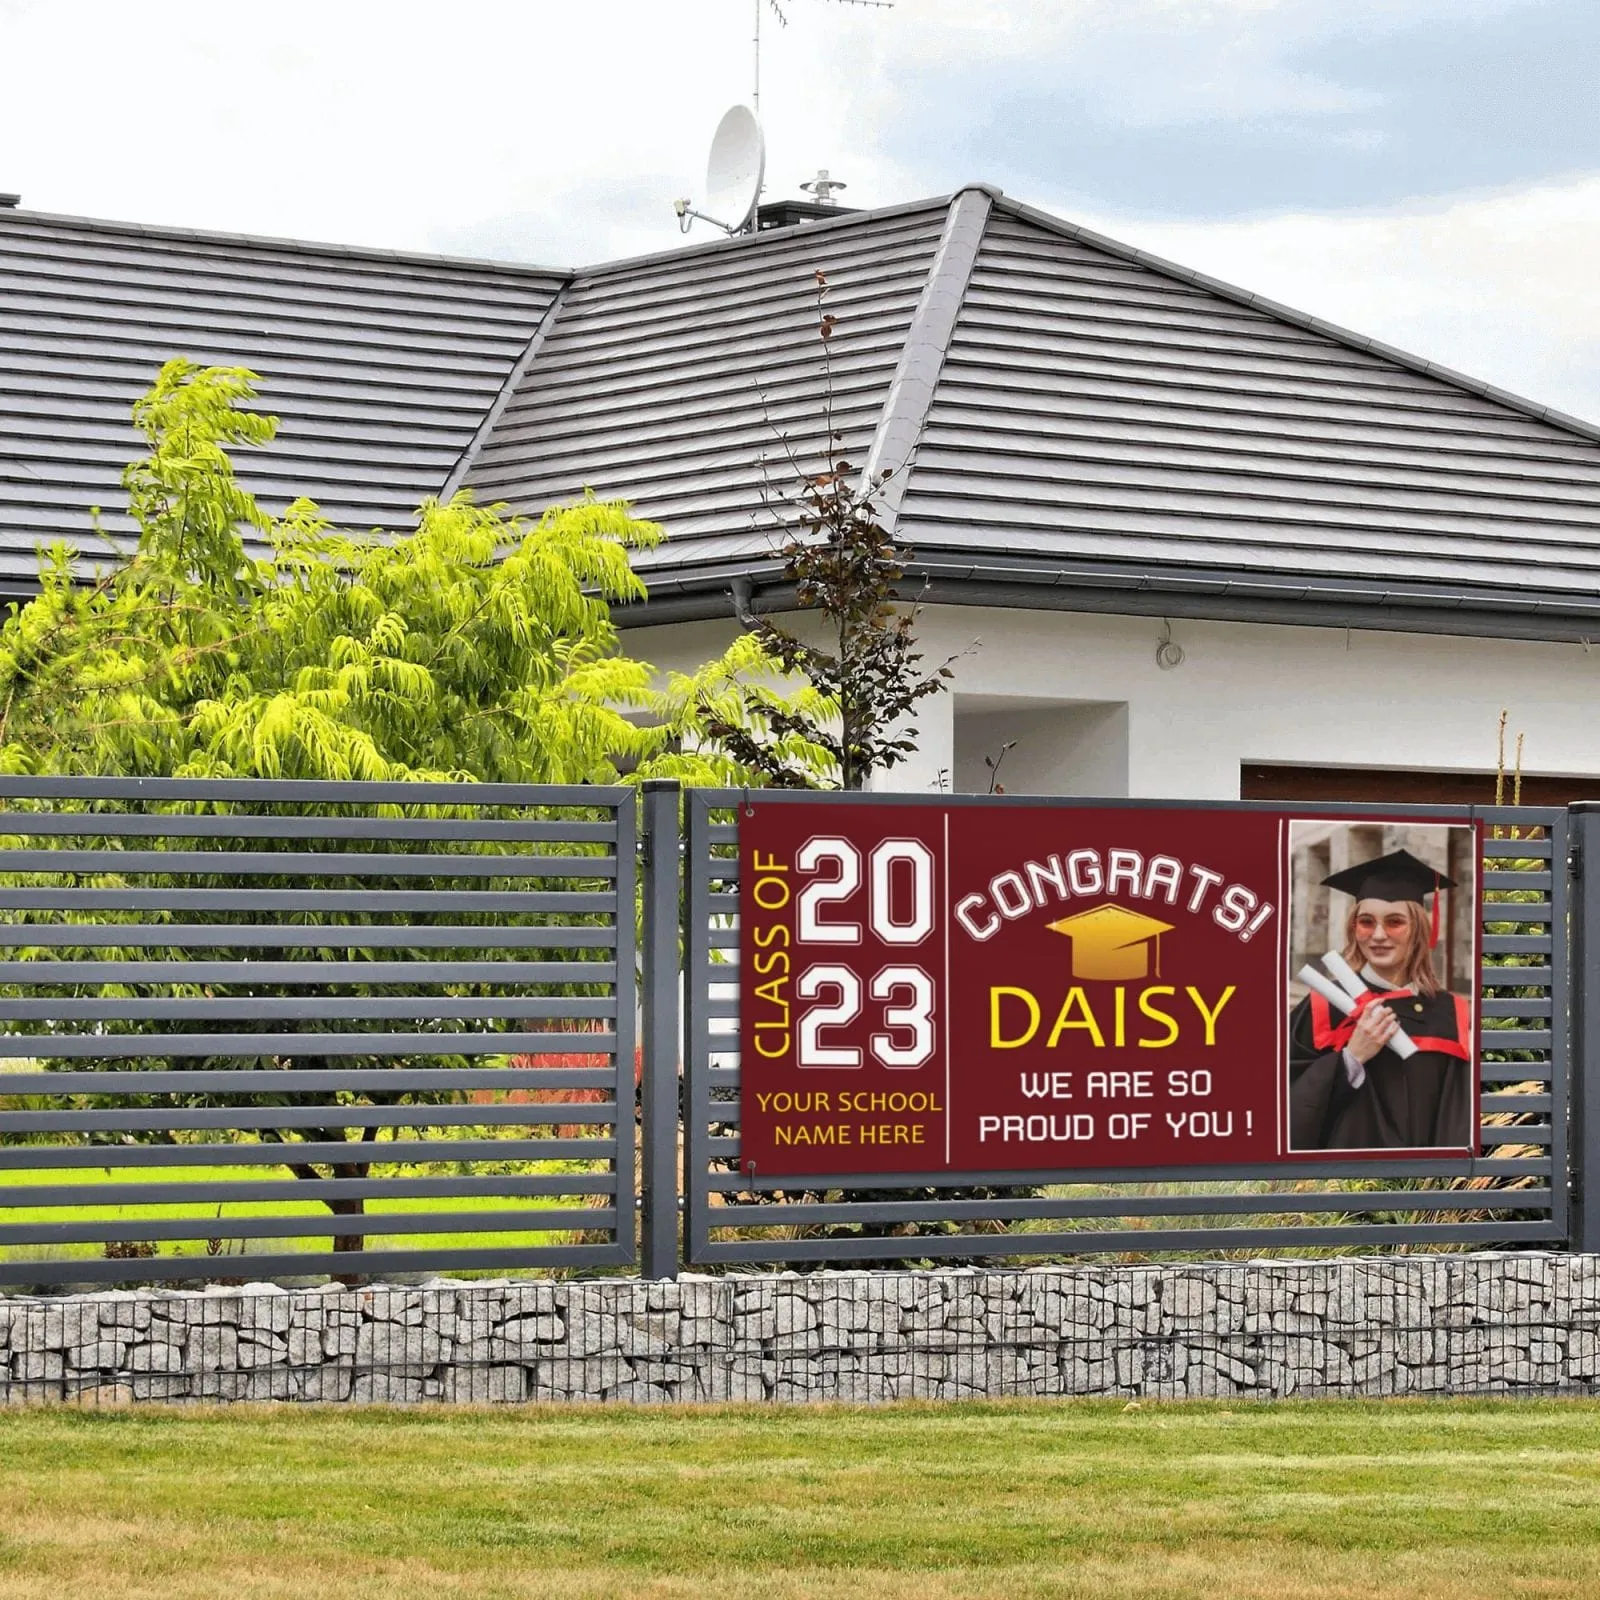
x=989 y=987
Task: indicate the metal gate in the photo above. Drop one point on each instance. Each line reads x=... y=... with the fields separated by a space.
x=264 y=1029
x=1514 y=1190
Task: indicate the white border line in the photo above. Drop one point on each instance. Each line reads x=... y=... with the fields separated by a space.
x=1440 y=1152
x=948 y=1109
x=1281 y=1076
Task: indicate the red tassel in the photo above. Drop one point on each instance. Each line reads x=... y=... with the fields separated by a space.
x=1438 y=894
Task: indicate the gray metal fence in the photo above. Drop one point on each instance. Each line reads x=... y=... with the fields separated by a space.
x=264 y=1029
x=274 y=1030
x=1514 y=1190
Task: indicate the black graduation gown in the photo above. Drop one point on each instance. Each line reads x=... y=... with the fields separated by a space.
x=1402 y=1105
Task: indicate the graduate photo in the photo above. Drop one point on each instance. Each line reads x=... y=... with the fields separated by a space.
x=1382 y=986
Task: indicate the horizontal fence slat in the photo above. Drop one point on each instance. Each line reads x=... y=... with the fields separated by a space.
x=1122 y=1241
x=372 y=1224
x=1515 y=977
x=1522 y=1104
x=310 y=936
x=316 y=1007
x=221 y=1191
x=244 y=825
x=1523 y=1006
x=252 y=1153
x=1510 y=1135
x=1515 y=849
x=36 y=973
x=728 y=1113
x=274 y=1081
x=243 y=1118
x=314 y=791
x=147 y=1046
x=818 y=1214
x=1491 y=881
x=1514 y=1072
x=1499 y=1039
x=1445 y=1167
x=718 y=1077
x=1496 y=944
x=478 y=901
x=302 y=864
x=331 y=1263
x=230 y=1191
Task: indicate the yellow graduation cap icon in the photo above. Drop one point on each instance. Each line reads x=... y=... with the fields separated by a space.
x=1112 y=942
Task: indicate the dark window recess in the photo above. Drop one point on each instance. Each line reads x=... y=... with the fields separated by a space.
x=1424 y=788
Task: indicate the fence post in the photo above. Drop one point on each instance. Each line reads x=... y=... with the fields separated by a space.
x=1584 y=1139
x=662 y=1032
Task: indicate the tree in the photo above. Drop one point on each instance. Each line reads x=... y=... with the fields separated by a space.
x=845 y=565
x=477 y=647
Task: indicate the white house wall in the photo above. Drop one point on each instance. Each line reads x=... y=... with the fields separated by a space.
x=1091 y=712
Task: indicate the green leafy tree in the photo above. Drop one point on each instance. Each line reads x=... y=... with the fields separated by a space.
x=479 y=646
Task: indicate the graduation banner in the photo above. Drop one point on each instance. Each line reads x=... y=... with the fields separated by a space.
x=968 y=988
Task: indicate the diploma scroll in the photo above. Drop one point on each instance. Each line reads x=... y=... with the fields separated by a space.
x=1344 y=975
x=1345 y=1004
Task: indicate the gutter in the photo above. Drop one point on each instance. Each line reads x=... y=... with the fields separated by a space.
x=720 y=591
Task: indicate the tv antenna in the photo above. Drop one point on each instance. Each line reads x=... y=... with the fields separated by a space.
x=778 y=11
x=737 y=164
x=734 y=171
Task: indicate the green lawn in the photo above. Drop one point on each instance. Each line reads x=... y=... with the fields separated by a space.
x=1280 y=1502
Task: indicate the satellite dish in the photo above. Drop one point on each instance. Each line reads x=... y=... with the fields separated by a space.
x=734 y=169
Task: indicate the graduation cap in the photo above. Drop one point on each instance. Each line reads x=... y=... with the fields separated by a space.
x=1396 y=876
x=1112 y=942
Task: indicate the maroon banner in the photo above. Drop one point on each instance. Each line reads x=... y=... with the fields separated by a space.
x=965 y=988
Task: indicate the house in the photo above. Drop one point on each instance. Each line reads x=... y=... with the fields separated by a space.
x=1192 y=543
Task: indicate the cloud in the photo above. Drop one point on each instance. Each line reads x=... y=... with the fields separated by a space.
x=597 y=221
x=1498 y=286
x=1270 y=141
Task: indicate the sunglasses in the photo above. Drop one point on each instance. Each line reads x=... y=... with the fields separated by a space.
x=1395 y=922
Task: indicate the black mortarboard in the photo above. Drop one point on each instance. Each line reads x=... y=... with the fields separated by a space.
x=1396 y=876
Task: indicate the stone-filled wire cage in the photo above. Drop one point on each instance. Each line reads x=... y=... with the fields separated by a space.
x=1516 y=1324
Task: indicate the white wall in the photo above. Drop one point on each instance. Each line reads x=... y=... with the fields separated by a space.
x=1040 y=747
x=1092 y=712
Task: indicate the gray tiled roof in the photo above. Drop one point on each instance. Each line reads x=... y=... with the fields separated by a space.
x=676 y=381
x=1068 y=421
x=380 y=366
x=1093 y=407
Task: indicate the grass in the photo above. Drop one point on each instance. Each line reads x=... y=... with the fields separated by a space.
x=218 y=1212
x=1273 y=1502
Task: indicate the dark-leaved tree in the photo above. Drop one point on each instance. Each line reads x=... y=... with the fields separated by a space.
x=848 y=569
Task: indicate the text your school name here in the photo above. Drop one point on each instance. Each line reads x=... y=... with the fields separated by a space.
x=931 y=988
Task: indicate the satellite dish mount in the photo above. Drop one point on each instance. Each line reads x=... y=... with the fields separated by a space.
x=734 y=171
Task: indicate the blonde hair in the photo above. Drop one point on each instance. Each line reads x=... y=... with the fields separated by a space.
x=1417 y=967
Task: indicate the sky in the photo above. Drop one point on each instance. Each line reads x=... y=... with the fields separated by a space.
x=1424 y=171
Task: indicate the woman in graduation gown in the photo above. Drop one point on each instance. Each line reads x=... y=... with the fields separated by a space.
x=1347 y=1090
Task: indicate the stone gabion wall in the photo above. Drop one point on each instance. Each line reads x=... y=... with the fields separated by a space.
x=1399 y=1325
